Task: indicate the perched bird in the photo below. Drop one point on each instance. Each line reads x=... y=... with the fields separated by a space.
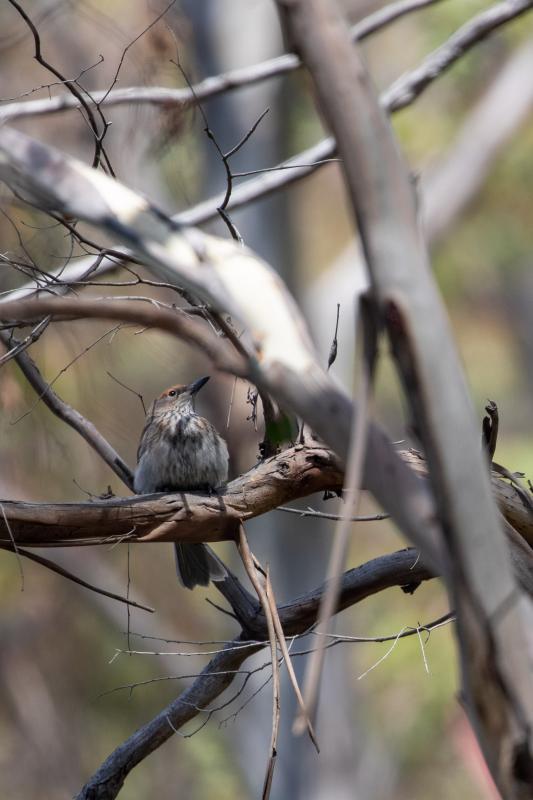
x=181 y=451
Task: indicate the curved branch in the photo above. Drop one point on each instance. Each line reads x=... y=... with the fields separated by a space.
x=494 y=616
x=395 y=569
x=400 y=95
x=71 y=416
x=294 y=473
x=177 y=322
x=208 y=88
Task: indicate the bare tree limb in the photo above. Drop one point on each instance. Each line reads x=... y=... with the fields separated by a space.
x=403 y=93
x=65 y=573
x=292 y=474
x=472 y=32
x=280 y=356
x=494 y=617
x=296 y=472
x=397 y=569
x=209 y=87
x=68 y=414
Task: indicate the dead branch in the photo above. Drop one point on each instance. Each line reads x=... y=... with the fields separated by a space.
x=496 y=664
x=71 y=416
x=257 y=580
x=281 y=359
x=295 y=473
x=404 y=92
x=188 y=328
x=396 y=569
x=472 y=32
x=352 y=490
x=65 y=573
x=208 y=88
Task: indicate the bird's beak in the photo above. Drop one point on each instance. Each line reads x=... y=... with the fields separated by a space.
x=195 y=387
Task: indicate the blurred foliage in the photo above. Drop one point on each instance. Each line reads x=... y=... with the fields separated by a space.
x=57 y=723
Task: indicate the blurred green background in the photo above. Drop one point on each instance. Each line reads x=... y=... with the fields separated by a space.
x=399 y=731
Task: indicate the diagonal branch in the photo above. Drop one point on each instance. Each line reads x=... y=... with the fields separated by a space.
x=295 y=473
x=208 y=88
x=494 y=617
x=65 y=573
x=396 y=569
x=402 y=94
x=280 y=360
x=352 y=495
x=71 y=416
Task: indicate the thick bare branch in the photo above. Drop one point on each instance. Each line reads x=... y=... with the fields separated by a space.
x=497 y=668
x=280 y=358
x=397 y=569
x=296 y=472
x=403 y=93
x=209 y=87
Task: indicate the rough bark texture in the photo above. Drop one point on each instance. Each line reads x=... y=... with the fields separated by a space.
x=396 y=569
x=296 y=472
x=494 y=617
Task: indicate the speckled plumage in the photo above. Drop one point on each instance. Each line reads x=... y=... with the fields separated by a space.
x=180 y=450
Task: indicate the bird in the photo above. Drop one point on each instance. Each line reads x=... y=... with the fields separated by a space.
x=179 y=450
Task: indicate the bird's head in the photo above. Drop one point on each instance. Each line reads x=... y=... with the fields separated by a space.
x=180 y=398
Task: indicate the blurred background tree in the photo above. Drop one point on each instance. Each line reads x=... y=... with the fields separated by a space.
x=467 y=140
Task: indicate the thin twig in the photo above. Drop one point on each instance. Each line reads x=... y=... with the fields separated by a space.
x=290 y=669
x=129 y=46
x=310 y=512
x=15 y=547
x=213 y=85
x=334 y=344
x=490 y=429
x=276 y=697
x=383 y=657
x=129 y=389
x=352 y=494
x=422 y=648
x=128 y=585
x=331 y=359
x=30 y=339
x=230 y=406
x=53 y=567
x=72 y=417
x=249 y=565
x=48 y=385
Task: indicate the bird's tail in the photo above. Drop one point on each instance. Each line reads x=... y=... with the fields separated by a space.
x=197 y=564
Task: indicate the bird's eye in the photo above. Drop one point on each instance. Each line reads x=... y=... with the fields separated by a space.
x=172 y=393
